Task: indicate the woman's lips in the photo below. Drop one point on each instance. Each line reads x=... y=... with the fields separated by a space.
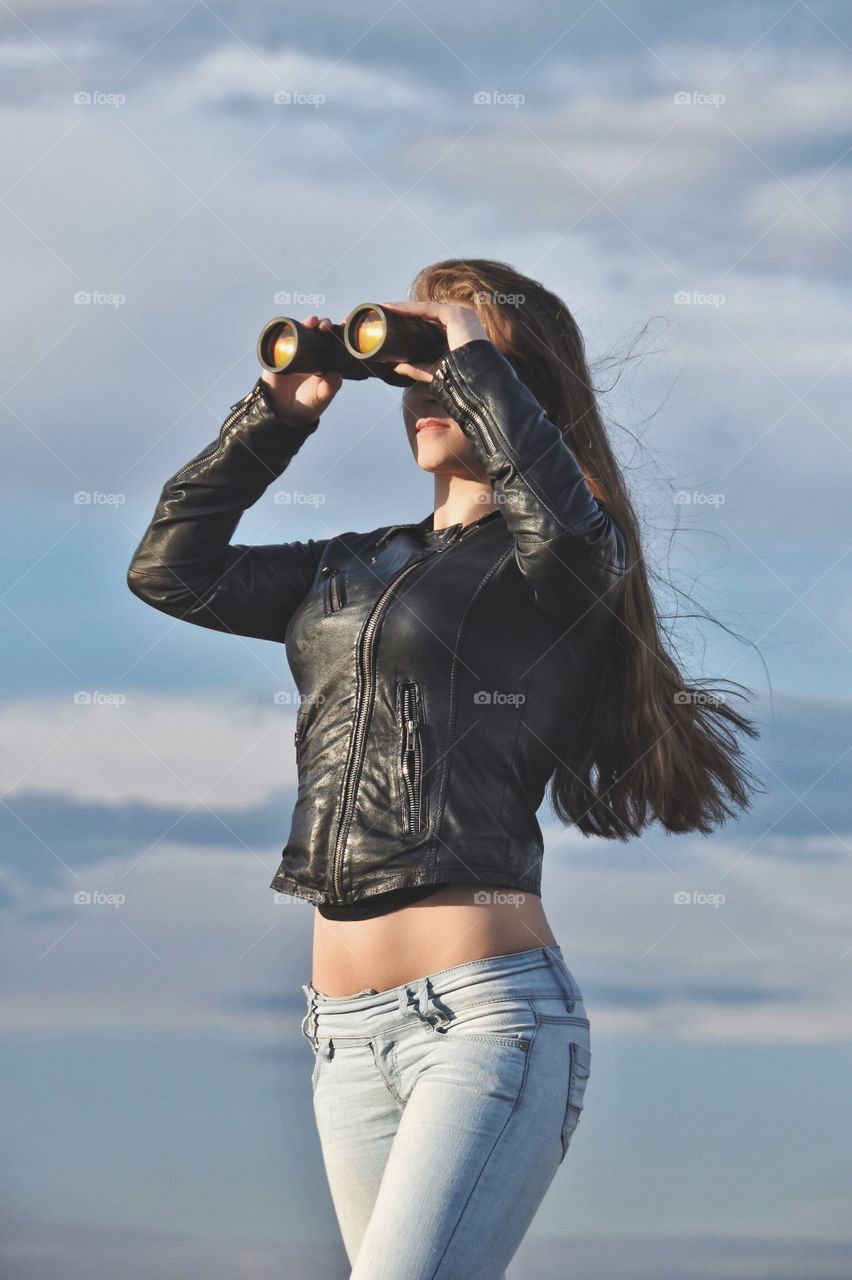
x=431 y=424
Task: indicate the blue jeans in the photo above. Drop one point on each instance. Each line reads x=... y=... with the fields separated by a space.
x=444 y=1108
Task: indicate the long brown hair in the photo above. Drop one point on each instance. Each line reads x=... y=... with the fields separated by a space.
x=650 y=744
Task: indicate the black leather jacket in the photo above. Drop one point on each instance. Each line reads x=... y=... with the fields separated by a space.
x=440 y=672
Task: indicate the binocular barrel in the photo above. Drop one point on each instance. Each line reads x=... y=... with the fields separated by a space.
x=378 y=333
x=370 y=340
x=286 y=346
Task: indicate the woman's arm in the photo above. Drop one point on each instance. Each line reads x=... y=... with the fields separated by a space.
x=185 y=565
x=567 y=545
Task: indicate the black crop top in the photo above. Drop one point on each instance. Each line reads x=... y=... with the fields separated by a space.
x=379 y=905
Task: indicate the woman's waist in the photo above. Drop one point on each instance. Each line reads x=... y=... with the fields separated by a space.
x=538 y=972
x=454 y=925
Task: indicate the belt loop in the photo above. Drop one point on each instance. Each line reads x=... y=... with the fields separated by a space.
x=424 y=1006
x=574 y=994
x=309 y=1022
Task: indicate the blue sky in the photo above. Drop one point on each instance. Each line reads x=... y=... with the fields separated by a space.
x=680 y=175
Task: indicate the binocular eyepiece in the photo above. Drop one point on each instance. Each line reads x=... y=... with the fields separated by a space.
x=368 y=343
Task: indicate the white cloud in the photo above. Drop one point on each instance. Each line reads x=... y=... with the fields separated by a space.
x=163 y=750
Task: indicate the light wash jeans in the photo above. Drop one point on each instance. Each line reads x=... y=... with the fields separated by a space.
x=444 y=1108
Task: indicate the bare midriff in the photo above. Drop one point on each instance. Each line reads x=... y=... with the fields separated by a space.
x=449 y=927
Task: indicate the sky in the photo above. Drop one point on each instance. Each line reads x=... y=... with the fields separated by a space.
x=174 y=175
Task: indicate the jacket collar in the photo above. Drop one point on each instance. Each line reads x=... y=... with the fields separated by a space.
x=426 y=525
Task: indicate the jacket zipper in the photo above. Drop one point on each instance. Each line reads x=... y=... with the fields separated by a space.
x=366 y=675
x=241 y=407
x=335 y=589
x=449 y=383
x=412 y=759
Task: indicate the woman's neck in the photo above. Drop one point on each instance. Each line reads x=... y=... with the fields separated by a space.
x=460 y=501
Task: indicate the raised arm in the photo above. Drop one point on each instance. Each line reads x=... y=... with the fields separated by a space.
x=566 y=544
x=185 y=564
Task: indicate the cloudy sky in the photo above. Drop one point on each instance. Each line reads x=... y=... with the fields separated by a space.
x=680 y=174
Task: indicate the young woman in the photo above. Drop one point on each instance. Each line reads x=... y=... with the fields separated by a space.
x=451 y=668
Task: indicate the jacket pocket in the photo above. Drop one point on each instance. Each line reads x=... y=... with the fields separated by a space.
x=410 y=715
x=335 y=588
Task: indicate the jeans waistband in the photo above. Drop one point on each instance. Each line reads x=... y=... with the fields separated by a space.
x=538 y=971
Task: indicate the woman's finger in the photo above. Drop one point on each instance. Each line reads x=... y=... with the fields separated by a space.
x=412 y=371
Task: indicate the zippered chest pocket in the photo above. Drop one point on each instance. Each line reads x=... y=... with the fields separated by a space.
x=334 y=592
x=410 y=718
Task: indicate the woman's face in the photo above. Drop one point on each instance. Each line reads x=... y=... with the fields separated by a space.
x=437 y=441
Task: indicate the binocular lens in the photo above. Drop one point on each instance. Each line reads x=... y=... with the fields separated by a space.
x=278 y=344
x=283 y=348
x=369 y=331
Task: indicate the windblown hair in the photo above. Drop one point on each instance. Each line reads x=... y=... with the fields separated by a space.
x=650 y=744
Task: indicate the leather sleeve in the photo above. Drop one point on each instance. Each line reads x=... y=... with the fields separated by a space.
x=185 y=564
x=567 y=546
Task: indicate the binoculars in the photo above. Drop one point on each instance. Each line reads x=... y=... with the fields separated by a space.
x=367 y=345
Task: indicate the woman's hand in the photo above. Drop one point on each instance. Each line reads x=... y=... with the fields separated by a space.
x=459 y=321
x=302 y=397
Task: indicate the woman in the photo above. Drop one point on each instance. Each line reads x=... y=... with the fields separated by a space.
x=450 y=669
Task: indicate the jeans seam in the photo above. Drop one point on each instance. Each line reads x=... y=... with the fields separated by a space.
x=390 y=1088
x=435 y=1274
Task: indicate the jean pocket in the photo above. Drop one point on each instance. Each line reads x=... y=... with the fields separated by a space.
x=580 y=1068
x=509 y=1022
